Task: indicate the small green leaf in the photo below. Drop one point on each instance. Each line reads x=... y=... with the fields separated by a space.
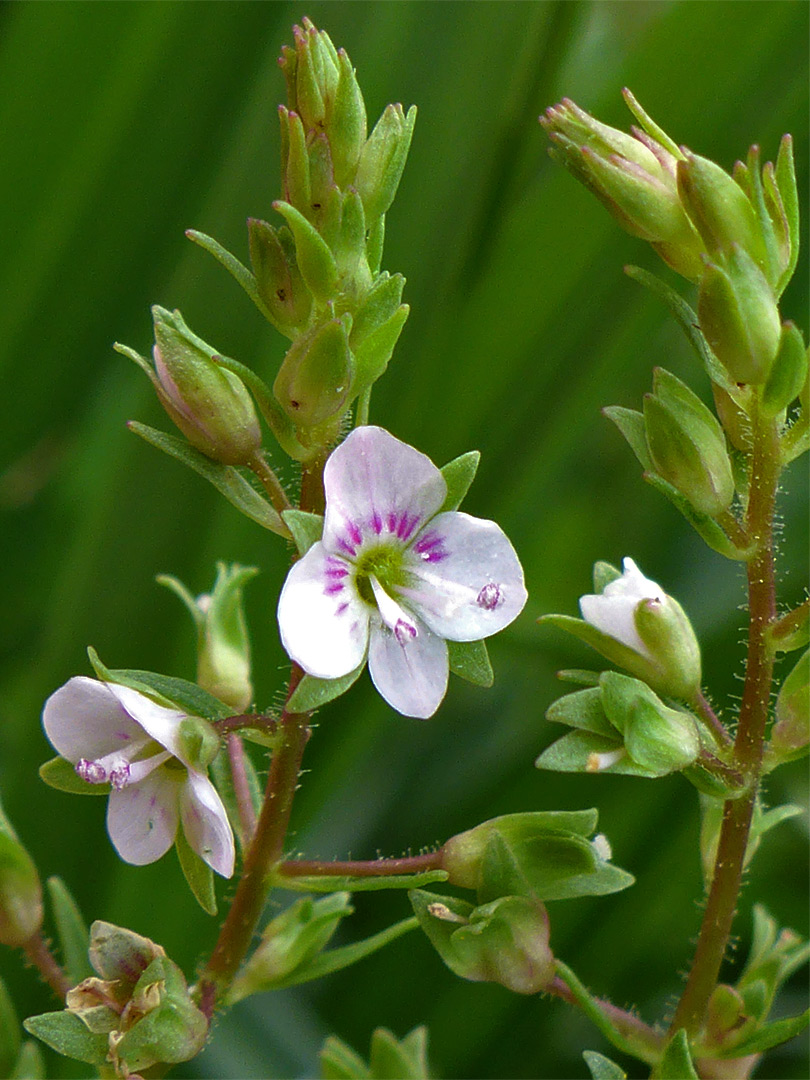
x=315 y=261
x=336 y=959
x=676 y=1063
x=328 y=883
x=178 y=692
x=785 y=175
x=602 y=1068
x=225 y=478
x=583 y=710
x=458 y=475
x=311 y=693
x=580 y=676
x=65 y=1033
x=470 y=661
x=770 y=1035
x=198 y=874
x=60 y=774
x=395 y=1059
x=631 y=424
x=74 y=937
x=306 y=528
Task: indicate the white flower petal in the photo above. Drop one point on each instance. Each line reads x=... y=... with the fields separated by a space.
x=142 y=818
x=158 y=722
x=469 y=582
x=205 y=823
x=410 y=672
x=613 y=610
x=84 y=719
x=322 y=621
x=377 y=486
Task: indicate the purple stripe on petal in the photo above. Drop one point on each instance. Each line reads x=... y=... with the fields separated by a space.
x=333 y=588
x=376 y=523
x=342 y=608
x=435 y=556
x=393 y=522
x=355 y=533
x=407 y=526
x=336 y=572
x=427 y=541
x=344 y=544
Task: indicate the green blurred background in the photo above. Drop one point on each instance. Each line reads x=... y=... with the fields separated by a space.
x=122 y=124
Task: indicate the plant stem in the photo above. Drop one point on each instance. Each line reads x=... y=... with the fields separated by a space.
x=713 y=721
x=270 y=482
x=749 y=743
x=241 y=787
x=38 y=953
x=412 y=864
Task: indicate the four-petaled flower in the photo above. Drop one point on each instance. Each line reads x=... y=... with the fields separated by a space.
x=393 y=577
x=114 y=734
x=613 y=611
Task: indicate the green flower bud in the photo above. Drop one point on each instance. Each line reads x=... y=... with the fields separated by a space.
x=506 y=941
x=788 y=375
x=278 y=279
x=20 y=889
x=295 y=161
x=734 y=415
x=207 y=403
x=311 y=71
x=670 y=641
x=315 y=380
x=289 y=942
x=739 y=317
x=632 y=175
x=347 y=123
x=659 y=739
x=719 y=209
x=687 y=445
x=120 y=955
x=383 y=159
x=197 y=743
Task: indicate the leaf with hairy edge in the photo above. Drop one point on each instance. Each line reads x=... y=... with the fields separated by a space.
x=71 y=931
x=328 y=883
x=225 y=478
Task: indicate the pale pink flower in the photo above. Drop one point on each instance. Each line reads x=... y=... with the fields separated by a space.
x=613 y=611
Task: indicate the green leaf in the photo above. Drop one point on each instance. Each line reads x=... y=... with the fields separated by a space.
x=340 y=1062
x=458 y=475
x=306 y=528
x=602 y=1068
x=580 y=676
x=65 y=1033
x=583 y=710
x=60 y=774
x=785 y=176
x=177 y=693
x=394 y=1059
x=198 y=874
x=30 y=1064
x=676 y=1063
x=74 y=937
x=225 y=478
x=770 y=1035
x=9 y=1032
x=336 y=959
x=235 y=268
x=315 y=261
x=631 y=424
x=311 y=693
x=327 y=883
x=470 y=660
x=573 y=751
x=705 y=526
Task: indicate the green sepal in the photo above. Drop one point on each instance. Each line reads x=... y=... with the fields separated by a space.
x=350 y=242
x=327 y=883
x=583 y=709
x=336 y=959
x=602 y=1068
x=340 y=1062
x=631 y=424
x=604 y=574
x=785 y=177
x=458 y=475
x=30 y=1064
x=312 y=692
x=769 y=1035
x=315 y=261
x=788 y=374
x=167 y=690
x=225 y=478
x=286 y=298
x=198 y=874
x=381 y=301
x=609 y=647
x=71 y=930
x=235 y=268
x=657 y=133
x=394 y=1059
x=579 y=676
x=373 y=353
x=470 y=661
x=9 y=1032
x=704 y=526
x=688 y=321
x=65 y=1033
x=573 y=752
x=60 y=774
x=676 y=1061
x=792 y=630
x=374 y=244
x=306 y=528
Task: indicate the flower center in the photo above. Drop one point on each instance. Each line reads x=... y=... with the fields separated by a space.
x=124 y=767
x=382 y=563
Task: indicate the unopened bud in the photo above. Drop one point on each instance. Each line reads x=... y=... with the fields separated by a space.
x=207 y=403
x=20 y=889
x=315 y=379
x=788 y=375
x=687 y=445
x=197 y=743
x=120 y=954
x=739 y=317
x=660 y=739
x=383 y=160
x=278 y=279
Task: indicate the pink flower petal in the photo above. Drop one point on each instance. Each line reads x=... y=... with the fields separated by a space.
x=409 y=671
x=206 y=825
x=85 y=719
x=377 y=487
x=157 y=721
x=468 y=582
x=142 y=818
x=322 y=620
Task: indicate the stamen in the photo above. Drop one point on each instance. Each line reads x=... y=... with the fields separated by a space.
x=490 y=596
x=394 y=617
x=404 y=632
x=92 y=772
x=600 y=762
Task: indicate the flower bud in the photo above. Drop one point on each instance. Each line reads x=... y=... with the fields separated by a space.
x=656 y=639
x=197 y=743
x=207 y=403
x=383 y=160
x=506 y=941
x=719 y=209
x=788 y=376
x=738 y=315
x=311 y=71
x=278 y=279
x=119 y=954
x=659 y=739
x=633 y=176
x=20 y=890
x=687 y=445
x=315 y=379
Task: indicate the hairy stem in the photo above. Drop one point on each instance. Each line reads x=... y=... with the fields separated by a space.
x=713 y=721
x=749 y=743
x=38 y=953
x=412 y=864
x=270 y=482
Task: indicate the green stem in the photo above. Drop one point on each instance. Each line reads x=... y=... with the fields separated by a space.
x=412 y=864
x=750 y=740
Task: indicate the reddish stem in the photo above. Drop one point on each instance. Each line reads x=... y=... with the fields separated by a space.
x=38 y=953
x=411 y=864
